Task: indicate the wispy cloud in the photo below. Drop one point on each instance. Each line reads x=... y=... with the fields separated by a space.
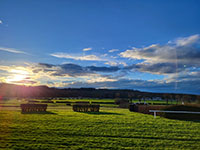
x=113 y=50
x=87 y=49
x=1 y=22
x=86 y=57
x=12 y=50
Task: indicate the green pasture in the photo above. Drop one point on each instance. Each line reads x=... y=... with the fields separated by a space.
x=88 y=100
x=102 y=102
x=111 y=128
x=112 y=101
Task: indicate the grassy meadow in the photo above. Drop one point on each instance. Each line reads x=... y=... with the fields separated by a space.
x=111 y=128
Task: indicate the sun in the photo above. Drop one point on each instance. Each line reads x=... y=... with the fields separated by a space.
x=17 y=75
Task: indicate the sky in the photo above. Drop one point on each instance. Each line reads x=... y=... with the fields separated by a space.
x=147 y=45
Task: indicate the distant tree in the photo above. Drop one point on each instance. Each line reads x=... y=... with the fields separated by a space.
x=139 y=98
x=178 y=98
x=117 y=95
x=172 y=97
x=167 y=97
x=198 y=99
x=131 y=96
x=186 y=98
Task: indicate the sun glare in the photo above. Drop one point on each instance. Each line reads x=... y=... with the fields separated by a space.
x=17 y=75
x=19 y=71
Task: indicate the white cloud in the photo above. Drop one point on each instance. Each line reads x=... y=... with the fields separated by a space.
x=99 y=78
x=123 y=63
x=113 y=57
x=104 y=55
x=87 y=49
x=12 y=50
x=185 y=51
x=86 y=57
x=113 y=50
x=112 y=63
x=1 y=22
x=177 y=56
x=186 y=41
x=89 y=57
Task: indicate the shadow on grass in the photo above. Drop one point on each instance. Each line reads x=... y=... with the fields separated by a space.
x=101 y=113
x=135 y=137
x=40 y=113
x=191 y=120
x=183 y=117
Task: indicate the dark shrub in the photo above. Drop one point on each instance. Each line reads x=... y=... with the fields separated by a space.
x=183 y=116
x=120 y=101
x=47 y=101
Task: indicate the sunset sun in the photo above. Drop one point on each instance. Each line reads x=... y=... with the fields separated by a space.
x=17 y=75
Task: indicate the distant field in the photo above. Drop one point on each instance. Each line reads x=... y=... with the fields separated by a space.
x=112 y=101
x=102 y=102
x=111 y=128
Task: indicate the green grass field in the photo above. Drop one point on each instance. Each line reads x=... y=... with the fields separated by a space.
x=111 y=128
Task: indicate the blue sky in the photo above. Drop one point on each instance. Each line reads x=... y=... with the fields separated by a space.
x=133 y=44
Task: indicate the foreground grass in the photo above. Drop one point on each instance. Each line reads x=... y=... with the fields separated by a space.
x=112 y=128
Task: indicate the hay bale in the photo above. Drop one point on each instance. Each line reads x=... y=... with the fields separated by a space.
x=85 y=108
x=33 y=107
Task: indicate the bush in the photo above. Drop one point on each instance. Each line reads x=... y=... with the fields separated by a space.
x=67 y=102
x=120 y=101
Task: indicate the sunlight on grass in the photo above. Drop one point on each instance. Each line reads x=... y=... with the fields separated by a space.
x=111 y=128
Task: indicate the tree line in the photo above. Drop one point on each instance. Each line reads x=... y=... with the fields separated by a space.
x=21 y=91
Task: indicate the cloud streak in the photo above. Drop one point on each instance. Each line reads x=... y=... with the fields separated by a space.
x=12 y=50
x=84 y=58
x=113 y=50
x=87 y=49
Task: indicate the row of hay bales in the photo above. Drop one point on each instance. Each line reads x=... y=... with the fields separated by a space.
x=78 y=107
x=85 y=106
x=33 y=107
